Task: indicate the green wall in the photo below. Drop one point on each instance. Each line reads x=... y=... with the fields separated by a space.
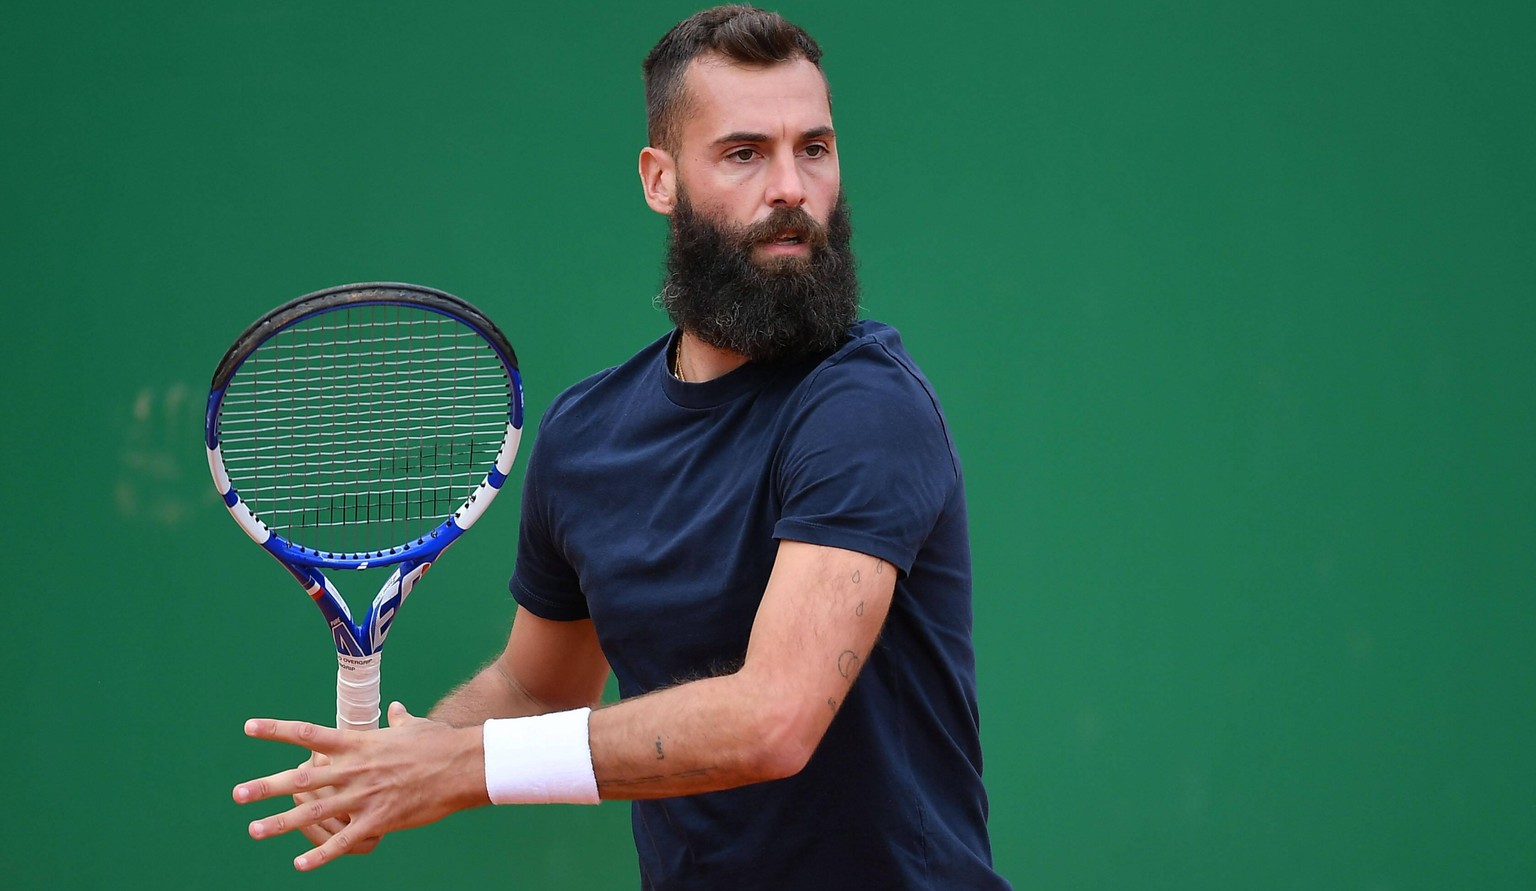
x=1231 y=305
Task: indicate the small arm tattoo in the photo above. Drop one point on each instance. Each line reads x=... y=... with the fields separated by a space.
x=847 y=663
x=660 y=755
x=655 y=778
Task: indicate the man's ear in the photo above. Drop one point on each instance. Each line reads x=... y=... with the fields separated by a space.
x=658 y=178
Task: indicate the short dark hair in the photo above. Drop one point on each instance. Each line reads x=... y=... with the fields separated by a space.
x=742 y=34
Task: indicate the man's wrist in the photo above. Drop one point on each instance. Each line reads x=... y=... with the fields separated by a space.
x=541 y=759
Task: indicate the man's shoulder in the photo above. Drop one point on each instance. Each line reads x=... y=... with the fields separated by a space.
x=871 y=383
x=865 y=332
x=874 y=357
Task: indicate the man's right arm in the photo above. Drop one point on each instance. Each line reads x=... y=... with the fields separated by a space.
x=547 y=666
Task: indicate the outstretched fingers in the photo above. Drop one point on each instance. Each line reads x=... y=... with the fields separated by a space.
x=299 y=817
x=355 y=786
x=336 y=846
x=315 y=737
x=304 y=778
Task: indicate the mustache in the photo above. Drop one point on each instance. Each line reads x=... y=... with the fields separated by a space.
x=782 y=221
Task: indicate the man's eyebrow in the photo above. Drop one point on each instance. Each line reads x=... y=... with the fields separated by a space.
x=742 y=136
x=745 y=136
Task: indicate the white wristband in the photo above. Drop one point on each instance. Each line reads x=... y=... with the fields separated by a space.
x=543 y=759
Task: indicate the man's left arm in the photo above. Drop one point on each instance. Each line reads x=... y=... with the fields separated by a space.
x=819 y=618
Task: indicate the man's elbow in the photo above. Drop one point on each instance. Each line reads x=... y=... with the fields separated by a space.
x=785 y=738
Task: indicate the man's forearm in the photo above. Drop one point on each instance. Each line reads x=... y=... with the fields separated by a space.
x=492 y=693
x=703 y=736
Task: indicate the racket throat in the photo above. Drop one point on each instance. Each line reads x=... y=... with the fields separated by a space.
x=386 y=604
x=357 y=672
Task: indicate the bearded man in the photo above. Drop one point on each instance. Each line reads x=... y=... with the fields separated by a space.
x=757 y=524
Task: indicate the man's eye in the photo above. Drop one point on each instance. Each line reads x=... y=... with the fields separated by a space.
x=815 y=150
x=742 y=154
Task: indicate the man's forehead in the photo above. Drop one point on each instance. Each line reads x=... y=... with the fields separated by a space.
x=728 y=95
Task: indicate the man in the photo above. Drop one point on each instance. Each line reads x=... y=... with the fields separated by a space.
x=758 y=523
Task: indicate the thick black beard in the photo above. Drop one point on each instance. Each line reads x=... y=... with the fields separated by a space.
x=787 y=307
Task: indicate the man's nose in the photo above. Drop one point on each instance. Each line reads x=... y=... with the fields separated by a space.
x=785 y=187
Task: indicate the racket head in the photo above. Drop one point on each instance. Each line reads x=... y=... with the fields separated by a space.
x=364 y=425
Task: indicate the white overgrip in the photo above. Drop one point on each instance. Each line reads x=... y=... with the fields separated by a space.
x=357 y=691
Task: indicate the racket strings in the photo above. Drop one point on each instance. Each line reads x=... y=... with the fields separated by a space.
x=360 y=429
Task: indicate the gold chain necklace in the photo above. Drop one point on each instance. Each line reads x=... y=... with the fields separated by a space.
x=677 y=372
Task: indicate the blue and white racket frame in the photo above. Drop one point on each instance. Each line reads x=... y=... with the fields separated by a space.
x=360 y=642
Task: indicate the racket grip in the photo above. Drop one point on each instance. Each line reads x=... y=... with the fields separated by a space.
x=357 y=691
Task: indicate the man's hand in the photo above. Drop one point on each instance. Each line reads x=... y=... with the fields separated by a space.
x=321 y=832
x=360 y=785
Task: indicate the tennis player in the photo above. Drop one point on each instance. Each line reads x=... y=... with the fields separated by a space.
x=757 y=523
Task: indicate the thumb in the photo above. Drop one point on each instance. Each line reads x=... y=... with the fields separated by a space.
x=398 y=715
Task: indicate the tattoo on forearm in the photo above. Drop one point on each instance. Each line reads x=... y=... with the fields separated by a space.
x=832 y=704
x=855 y=576
x=656 y=778
x=847 y=663
x=859 y=610
x=660 y=755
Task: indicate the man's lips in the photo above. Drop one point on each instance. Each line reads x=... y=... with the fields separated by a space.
x=790 y=241
x=784 y=247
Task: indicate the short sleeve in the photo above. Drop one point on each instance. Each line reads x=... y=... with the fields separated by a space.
x=543 y=581
x=867 y=464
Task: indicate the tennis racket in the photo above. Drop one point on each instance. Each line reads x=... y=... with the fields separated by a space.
x=362 y=426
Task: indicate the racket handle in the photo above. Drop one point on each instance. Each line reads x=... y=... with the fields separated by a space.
x=357 y=691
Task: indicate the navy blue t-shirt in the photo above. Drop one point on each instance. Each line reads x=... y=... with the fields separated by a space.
x=655 y=508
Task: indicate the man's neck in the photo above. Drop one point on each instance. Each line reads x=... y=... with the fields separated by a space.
x=698 y=362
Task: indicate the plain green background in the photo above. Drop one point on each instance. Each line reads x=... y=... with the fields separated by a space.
x=1230 y=304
